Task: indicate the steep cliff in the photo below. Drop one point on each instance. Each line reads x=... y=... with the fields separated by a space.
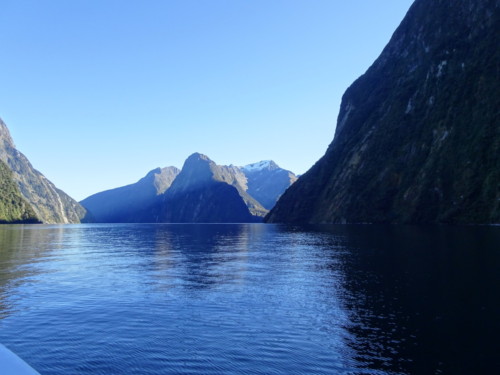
x=50 y=204
x=417 y=137
x=206 y=192
x=13 y=207
x=202 y=192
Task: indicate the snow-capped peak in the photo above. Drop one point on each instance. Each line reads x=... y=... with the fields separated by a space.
x=261 y=165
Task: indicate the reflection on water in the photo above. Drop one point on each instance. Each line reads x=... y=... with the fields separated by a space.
x=22 y=246
x=250 y=298
x=421 y=300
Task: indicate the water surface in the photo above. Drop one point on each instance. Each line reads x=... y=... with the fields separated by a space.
x=250 y=299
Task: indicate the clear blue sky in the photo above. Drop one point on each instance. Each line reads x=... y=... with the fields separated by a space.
x=98 y=92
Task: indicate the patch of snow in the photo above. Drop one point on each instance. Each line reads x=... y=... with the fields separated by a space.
x=261 y=165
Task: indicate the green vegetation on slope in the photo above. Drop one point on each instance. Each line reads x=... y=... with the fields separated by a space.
x=13 y=207
x=418 y=135
x=50 y=204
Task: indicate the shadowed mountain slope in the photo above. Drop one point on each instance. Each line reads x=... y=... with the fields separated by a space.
x=417 y=137
x=121 y=205
x=202 y=192
x=207 y=192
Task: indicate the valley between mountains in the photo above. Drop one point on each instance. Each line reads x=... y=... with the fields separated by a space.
x=201 y=192
x=417 y=141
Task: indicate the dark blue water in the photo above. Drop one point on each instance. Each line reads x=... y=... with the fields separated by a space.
x=251 y=299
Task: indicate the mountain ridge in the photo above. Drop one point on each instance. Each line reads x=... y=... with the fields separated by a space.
x=205 y=192
x=14 y=209
x=50 y=204
x=115 y=205
x=417 y=137
x=200 y=178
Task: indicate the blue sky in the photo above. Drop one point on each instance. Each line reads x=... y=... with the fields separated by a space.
x=98 y=92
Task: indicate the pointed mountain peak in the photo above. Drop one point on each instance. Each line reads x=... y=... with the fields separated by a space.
x=198 y=162
x=197 y=156
x=197 y=169
x=50 y=204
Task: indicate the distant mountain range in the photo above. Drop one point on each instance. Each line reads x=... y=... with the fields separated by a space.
x=124 y=203
x=201 y=192
x=28 y=196
x=417 y=141
x=418 y=135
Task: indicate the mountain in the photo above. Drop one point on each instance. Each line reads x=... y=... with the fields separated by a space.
x=50 y=204
x=266 y=181
x=13 y=207
x=206 y=192
x=417 y=137
x=202 y=191
x=123 y=204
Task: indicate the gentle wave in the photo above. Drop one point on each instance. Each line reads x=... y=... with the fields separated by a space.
x=215 y=299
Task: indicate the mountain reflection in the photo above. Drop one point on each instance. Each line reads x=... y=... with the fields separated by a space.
x=417 y=296
x=199 y=256
x=250 y=298
x=23 y=251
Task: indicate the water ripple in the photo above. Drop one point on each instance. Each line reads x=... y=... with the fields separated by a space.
x=213 y=299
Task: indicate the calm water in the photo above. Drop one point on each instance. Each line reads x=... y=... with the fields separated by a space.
x=251 y=299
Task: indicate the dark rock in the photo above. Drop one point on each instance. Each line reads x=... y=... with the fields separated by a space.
x=417 y=138
x=206 y=192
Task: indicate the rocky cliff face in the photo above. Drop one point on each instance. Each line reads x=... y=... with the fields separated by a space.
x=122 y=205
x=206 y=192
x=417 y=138
x=50 y=204
x=13 y=207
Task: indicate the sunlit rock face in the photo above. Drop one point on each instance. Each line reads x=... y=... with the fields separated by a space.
x=417 y=138
x=50 y=204
x=13 y=207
